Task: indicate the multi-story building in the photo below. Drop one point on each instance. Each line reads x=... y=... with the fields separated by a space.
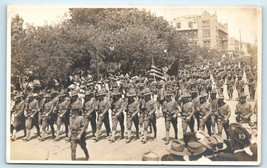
x=203 y=30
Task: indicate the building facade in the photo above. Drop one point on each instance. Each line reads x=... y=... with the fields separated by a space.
x=203 y=30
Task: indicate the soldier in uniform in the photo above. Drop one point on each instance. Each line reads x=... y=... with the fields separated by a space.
x=117 y=107
x=251 y=86
x=170 y=111
x=17 y=115
x=77 y=132
x=63 y=108
x=196 y=102
x=89 y=113
x=55 y=101
x=149 y=115
x=31 y=111
x=214 y=109
x=230 y=86
x=188 y=111
x=205 y=113
x=47 y=116
x=240 y=86
x=243 y=110
x=103 y=117
x=224 y=113
x=132 y=110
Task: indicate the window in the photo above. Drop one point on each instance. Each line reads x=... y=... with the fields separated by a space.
x=190 y=24
x=206 y=32
x=205 y=23
x=178 y=25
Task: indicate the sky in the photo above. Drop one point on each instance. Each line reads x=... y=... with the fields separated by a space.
x=243 y=18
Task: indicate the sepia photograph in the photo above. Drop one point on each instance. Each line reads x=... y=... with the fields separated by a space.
x=134 y=84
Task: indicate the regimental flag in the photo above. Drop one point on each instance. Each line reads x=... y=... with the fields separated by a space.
x=156 y=72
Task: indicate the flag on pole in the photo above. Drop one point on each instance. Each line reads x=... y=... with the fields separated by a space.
x=157 y=72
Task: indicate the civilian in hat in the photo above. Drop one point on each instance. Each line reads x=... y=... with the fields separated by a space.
x=31 y=110
x=63 y=108
x=224 y=113
x=132 y=110
x=102 y=107
x=149 y=115
x=243 y=110
x=77 y=133
x=89 y=113
x=117 y=107
x=177 y=151
x=150 y=156
x=205 y=113
x=188 y=111
x=17 y=116
x=47 y=116
x=214 y=109
x=170 y=111
x=239 y=140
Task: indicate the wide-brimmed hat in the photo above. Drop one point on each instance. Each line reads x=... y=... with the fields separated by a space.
x=240 y=134
x=203 y=94
x=35 y=95
x=186 y=95
x=102 y=92
x=190 y=137
x=88 y=92
x=213 y=91
x=220 y=143
x=47 y=95
x=116 y=93
x=178 y=148
x=168 y=94
x=130 y=94
x=150 y=156
x=243 y=95
x=195 y=148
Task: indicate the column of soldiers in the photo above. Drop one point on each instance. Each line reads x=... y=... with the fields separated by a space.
x=197 y=97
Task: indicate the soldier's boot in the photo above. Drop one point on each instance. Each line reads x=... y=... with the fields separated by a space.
x=144 y=140
x=57 y=137
x=73 y=154
x=122 y=133
x=128 y=137
x=167 y=138
x=27 y=135
x=14 y=134
x=43 y=135
x=112 y=139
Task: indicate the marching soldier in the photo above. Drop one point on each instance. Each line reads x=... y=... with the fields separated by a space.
x=196 y=102
x=117 y=107
x=55 y=101
x=77 y=132
x=240 y=86
x=205 y=113
x=63 y=108
x=149 y=115
x=230 y=87
x=224 y=113
x=47 y=116
x=170 y=111
x=102 y=110
x=31 y=111
x=251 y=86
x=89 y=114
x=132 y=110
x=17 y=115
x=243 y=110
x=214 y=109
x=188 y=111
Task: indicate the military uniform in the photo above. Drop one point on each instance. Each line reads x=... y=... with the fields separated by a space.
x=89 y=114
x=17 y=117
x=170 y=111
x=188 y=111
x=224 y=113
x=149 y=116
x=117 y=116
x=230 y=87
x=102 y=109
x=63 y=109
x=132 y=111
x=205 y=113
x=243 y=110
x=47 y=118
x=31 y=115
x=77 y=134
x=196 y=103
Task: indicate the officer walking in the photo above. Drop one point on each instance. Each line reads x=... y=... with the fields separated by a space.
x=224 y=113
x=17 y=115
x=77 y=133
x=188 y=111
